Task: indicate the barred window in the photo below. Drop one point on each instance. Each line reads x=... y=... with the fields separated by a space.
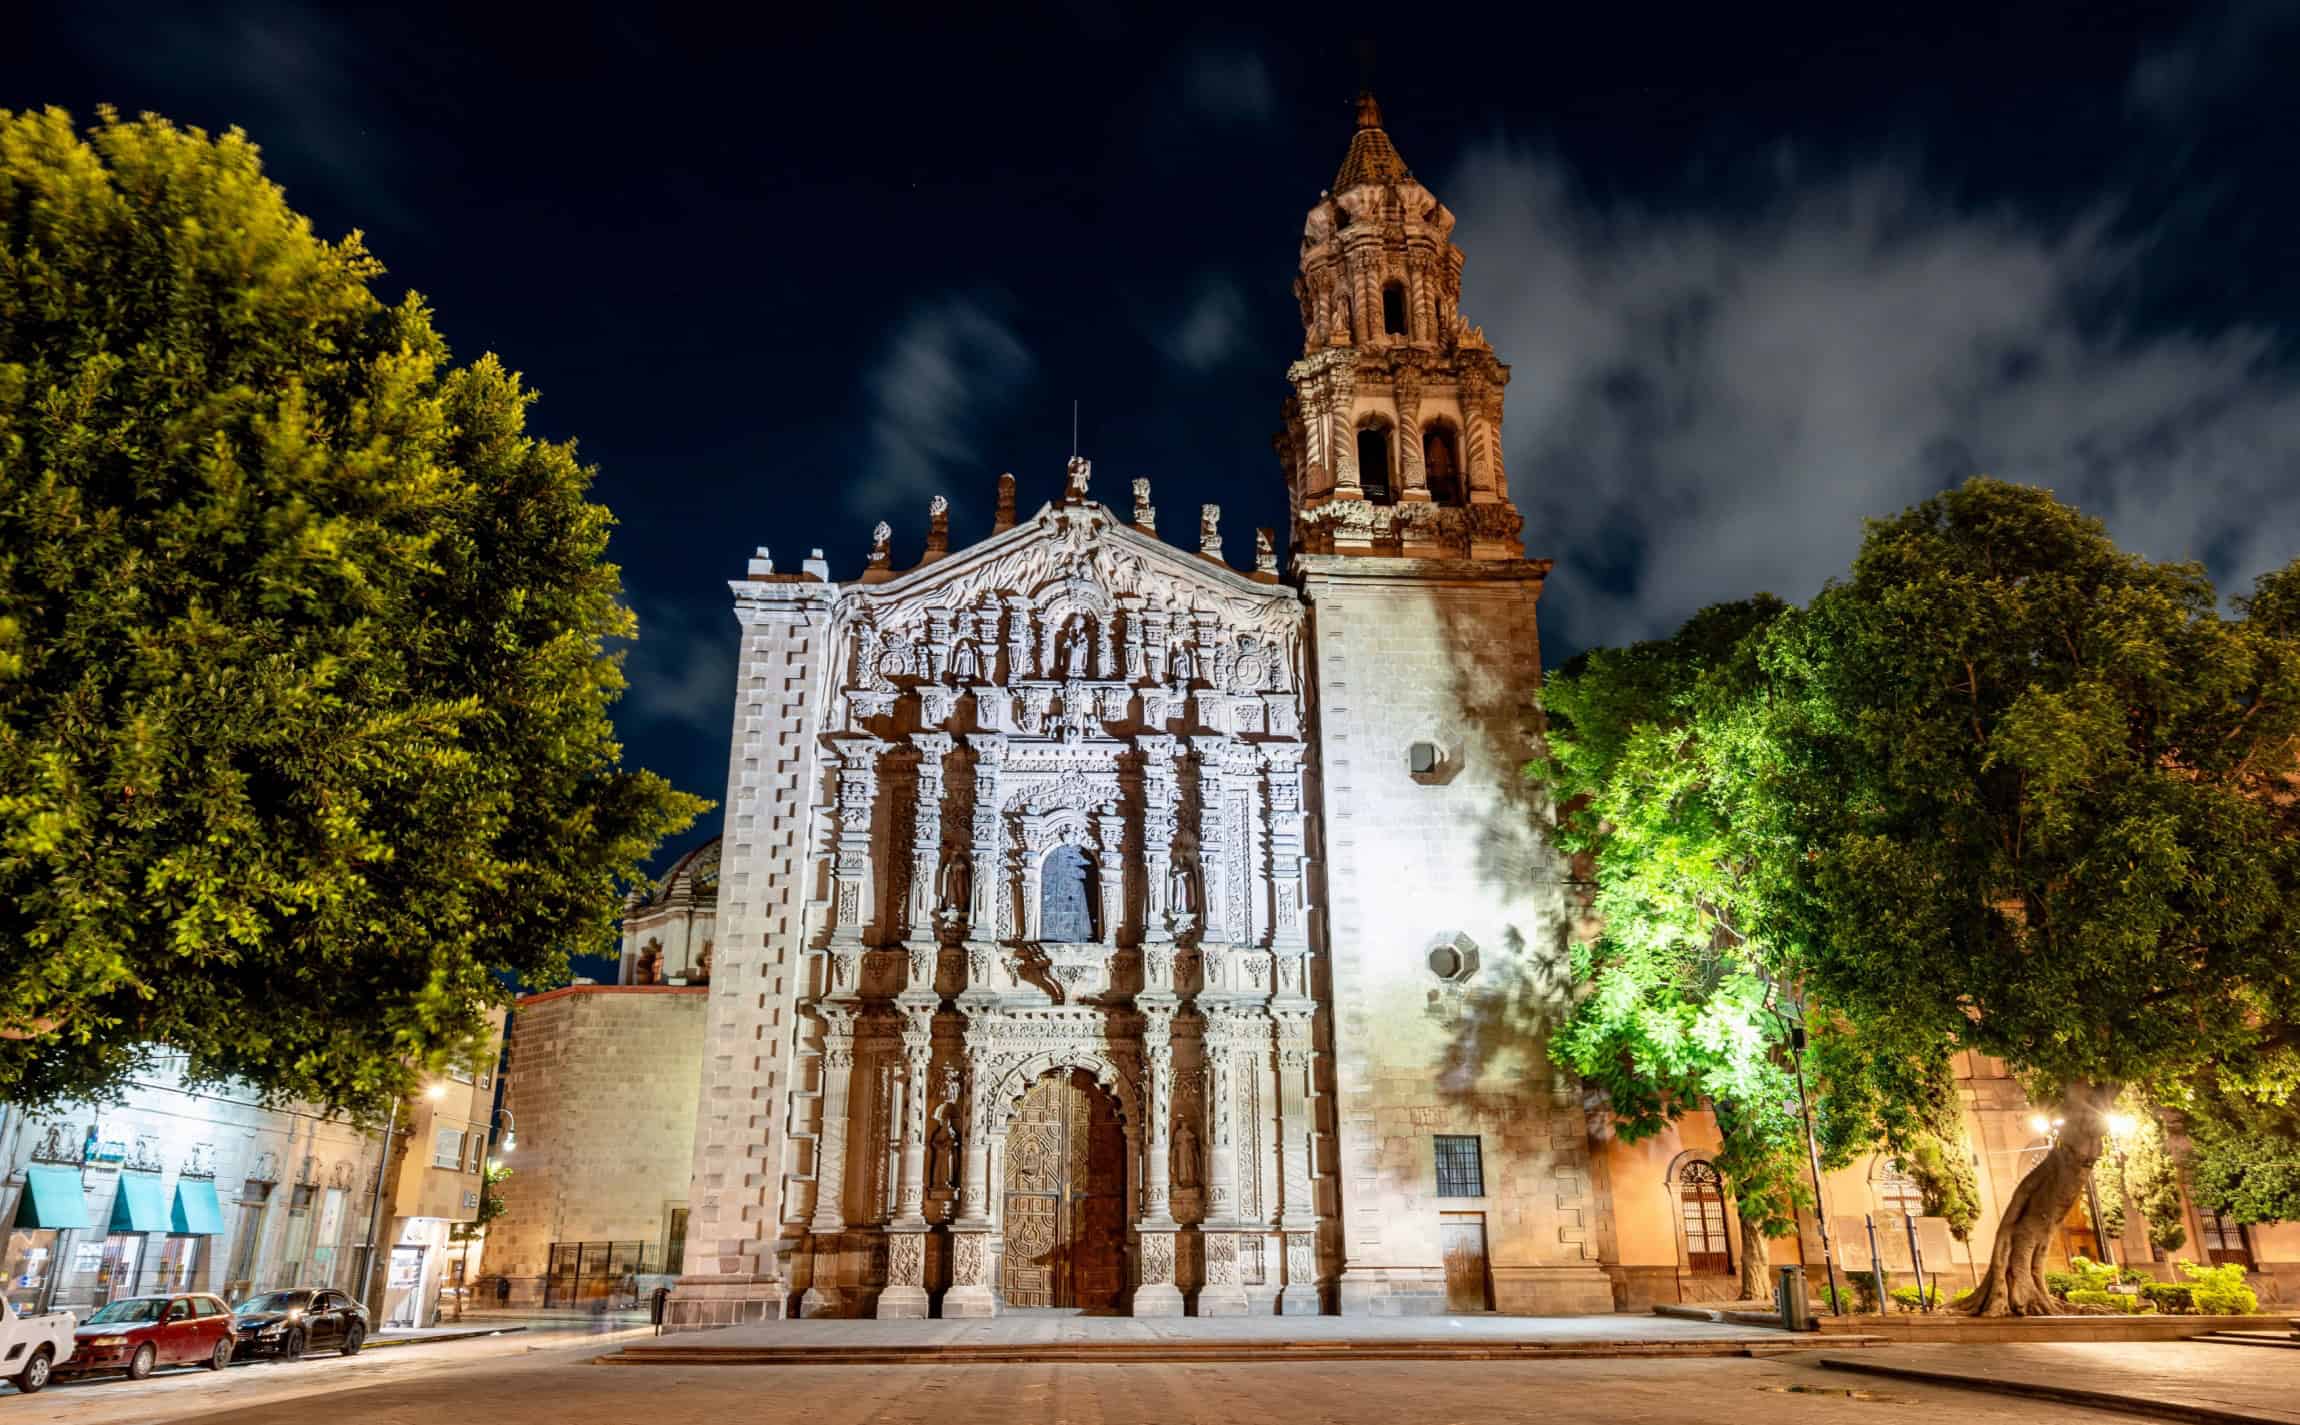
x=1460 y=1169
x=1701 y=1200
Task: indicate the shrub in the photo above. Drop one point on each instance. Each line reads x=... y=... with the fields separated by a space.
x=2112 y=1300
x=2220 y=1291
x=2172 y=1298
x=1907 y=1296
x=2083 y=1274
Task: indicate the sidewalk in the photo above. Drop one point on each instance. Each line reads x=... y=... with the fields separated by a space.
x=2173 y=1380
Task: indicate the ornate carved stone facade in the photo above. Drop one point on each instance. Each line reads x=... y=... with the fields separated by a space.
x=1026 y=987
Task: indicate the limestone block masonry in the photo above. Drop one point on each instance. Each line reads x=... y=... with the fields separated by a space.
x=1026 y=991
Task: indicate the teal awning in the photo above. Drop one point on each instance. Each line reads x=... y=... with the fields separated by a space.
x=140 y=1205
x=197 y=1212
x=52 y=1199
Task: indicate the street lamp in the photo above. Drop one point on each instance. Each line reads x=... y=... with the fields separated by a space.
x=1792 y=1019
x=2051 y=1129
x=2121 y=1128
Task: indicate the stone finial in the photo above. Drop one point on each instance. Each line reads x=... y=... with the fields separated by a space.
x=816 y=565
x=1265 y=552
x=1004 y=518
x=1145 y=513
x=762 y=564
x=881 y=536
x=937 y=527
x=1210 y=531
x=1080 y=472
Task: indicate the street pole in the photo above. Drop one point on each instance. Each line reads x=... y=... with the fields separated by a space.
x=1813 y=1158
x=375 y=1212
x=2099 y=1226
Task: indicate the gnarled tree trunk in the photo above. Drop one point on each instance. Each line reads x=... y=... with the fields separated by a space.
x=2015 y=1285
x=1756 y=1261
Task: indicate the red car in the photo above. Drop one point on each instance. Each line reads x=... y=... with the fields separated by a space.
x=137 y=1334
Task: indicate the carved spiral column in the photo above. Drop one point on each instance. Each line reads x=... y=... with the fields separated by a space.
x=1341 y=427
x=1408 y=391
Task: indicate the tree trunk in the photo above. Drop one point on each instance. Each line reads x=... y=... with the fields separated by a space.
x=1756 y=1261
x=2014 y=1285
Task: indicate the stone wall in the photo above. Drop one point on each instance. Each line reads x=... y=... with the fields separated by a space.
x=1447 y=934
x=601 y=1089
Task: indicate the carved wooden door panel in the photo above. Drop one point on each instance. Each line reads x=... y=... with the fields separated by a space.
x=1461 y=1244
x=1065 y=1216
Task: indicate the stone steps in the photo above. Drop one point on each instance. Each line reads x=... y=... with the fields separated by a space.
x=2251 y=1338
x=1184 y=1352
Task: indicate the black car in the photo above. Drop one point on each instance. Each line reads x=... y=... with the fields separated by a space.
x=285 y=1324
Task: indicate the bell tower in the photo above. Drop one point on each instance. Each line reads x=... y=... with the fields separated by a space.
x=1392 y=441
x=1446 y=926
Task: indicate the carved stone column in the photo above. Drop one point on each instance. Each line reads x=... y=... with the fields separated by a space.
x=1222 y=1294
x=1298 y=1215
x=828 y=1223
x=905 y=1292
x=1159 y=1294
x=1158 y=803
x=854 y=896
x=926 y=849
x=991 y=892
x=1341 y=430
x=1408 y=389
x=970 y=1293
x=1213 y=842
x=1110 y=874
x=1289 y=886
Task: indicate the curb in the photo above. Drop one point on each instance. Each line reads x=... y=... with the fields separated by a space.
x=1183 y=1353
x=374 y=1344
x=2064 y=1394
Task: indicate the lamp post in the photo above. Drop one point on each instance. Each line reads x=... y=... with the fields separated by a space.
x=367 y=1285
x=2121 y=1127
x=1793 y=1020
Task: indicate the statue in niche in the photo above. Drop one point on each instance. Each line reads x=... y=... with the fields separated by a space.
x=1186 y=1156
x=1066 y=896
x=1183 y=667
x=942 y=1172
x=1074 y=651
x=1182 y=886
x=957 y=888
x=967 y=665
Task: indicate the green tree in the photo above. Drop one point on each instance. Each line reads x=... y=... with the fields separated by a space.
x=2137 y=1164
x=2246 y=1164
x=2024 y=788
x=304 y=746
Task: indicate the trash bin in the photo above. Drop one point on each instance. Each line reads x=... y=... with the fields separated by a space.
x=657 y=1300
x=1789 y=1295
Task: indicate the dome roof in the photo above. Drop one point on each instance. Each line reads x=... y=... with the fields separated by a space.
x=694 y=875
x=1372 y=157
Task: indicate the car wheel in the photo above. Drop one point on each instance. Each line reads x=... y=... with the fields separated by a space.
x=140 y=1364
x=34 y=1377
x=354 y=1339
x=221 y=1356
x=291 y=1346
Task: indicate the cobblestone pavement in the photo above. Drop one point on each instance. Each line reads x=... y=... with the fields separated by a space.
x=558 y=1388
x=2255 y=1382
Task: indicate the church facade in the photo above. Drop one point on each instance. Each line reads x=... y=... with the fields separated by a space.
x=1104 y=926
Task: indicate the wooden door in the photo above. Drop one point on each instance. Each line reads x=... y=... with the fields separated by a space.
x=1461 y=1244
x=1065 y=1218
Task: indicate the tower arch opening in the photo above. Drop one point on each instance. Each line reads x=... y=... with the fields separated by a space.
x=1374 y=473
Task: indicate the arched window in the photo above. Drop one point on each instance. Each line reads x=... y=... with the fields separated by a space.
x=1701 y=1201
x=1897 y=1191
x=1374 y=464
x=1394 y=308
x=1441 y=463
x=1066 y=897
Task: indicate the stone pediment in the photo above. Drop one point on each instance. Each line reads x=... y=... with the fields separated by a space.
x=1085 y=551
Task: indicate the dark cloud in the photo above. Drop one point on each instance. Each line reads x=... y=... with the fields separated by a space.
x=1229 y=85
x=1730 y=395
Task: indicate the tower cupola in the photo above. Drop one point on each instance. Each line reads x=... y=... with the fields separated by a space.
x=1392 y=440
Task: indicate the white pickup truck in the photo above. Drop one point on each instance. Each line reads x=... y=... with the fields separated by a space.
x=31 y=1347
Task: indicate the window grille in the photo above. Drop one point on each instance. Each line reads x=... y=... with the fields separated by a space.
x=447 y=1150
x=2224 y=1240
x=1460 y=1167
x=1701 y=1199
x=1898 y=1192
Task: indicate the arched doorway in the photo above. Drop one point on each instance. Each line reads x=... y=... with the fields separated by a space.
x=1065 y=1205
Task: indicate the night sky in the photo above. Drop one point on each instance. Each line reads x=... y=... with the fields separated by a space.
x=1761 y=272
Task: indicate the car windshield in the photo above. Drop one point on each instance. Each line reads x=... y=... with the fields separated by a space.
x=121 y=1313
x=274 y=1301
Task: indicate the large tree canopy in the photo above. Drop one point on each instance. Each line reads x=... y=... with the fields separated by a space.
x=304 y=743
x=2029 y=793
x=1684 y=1004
